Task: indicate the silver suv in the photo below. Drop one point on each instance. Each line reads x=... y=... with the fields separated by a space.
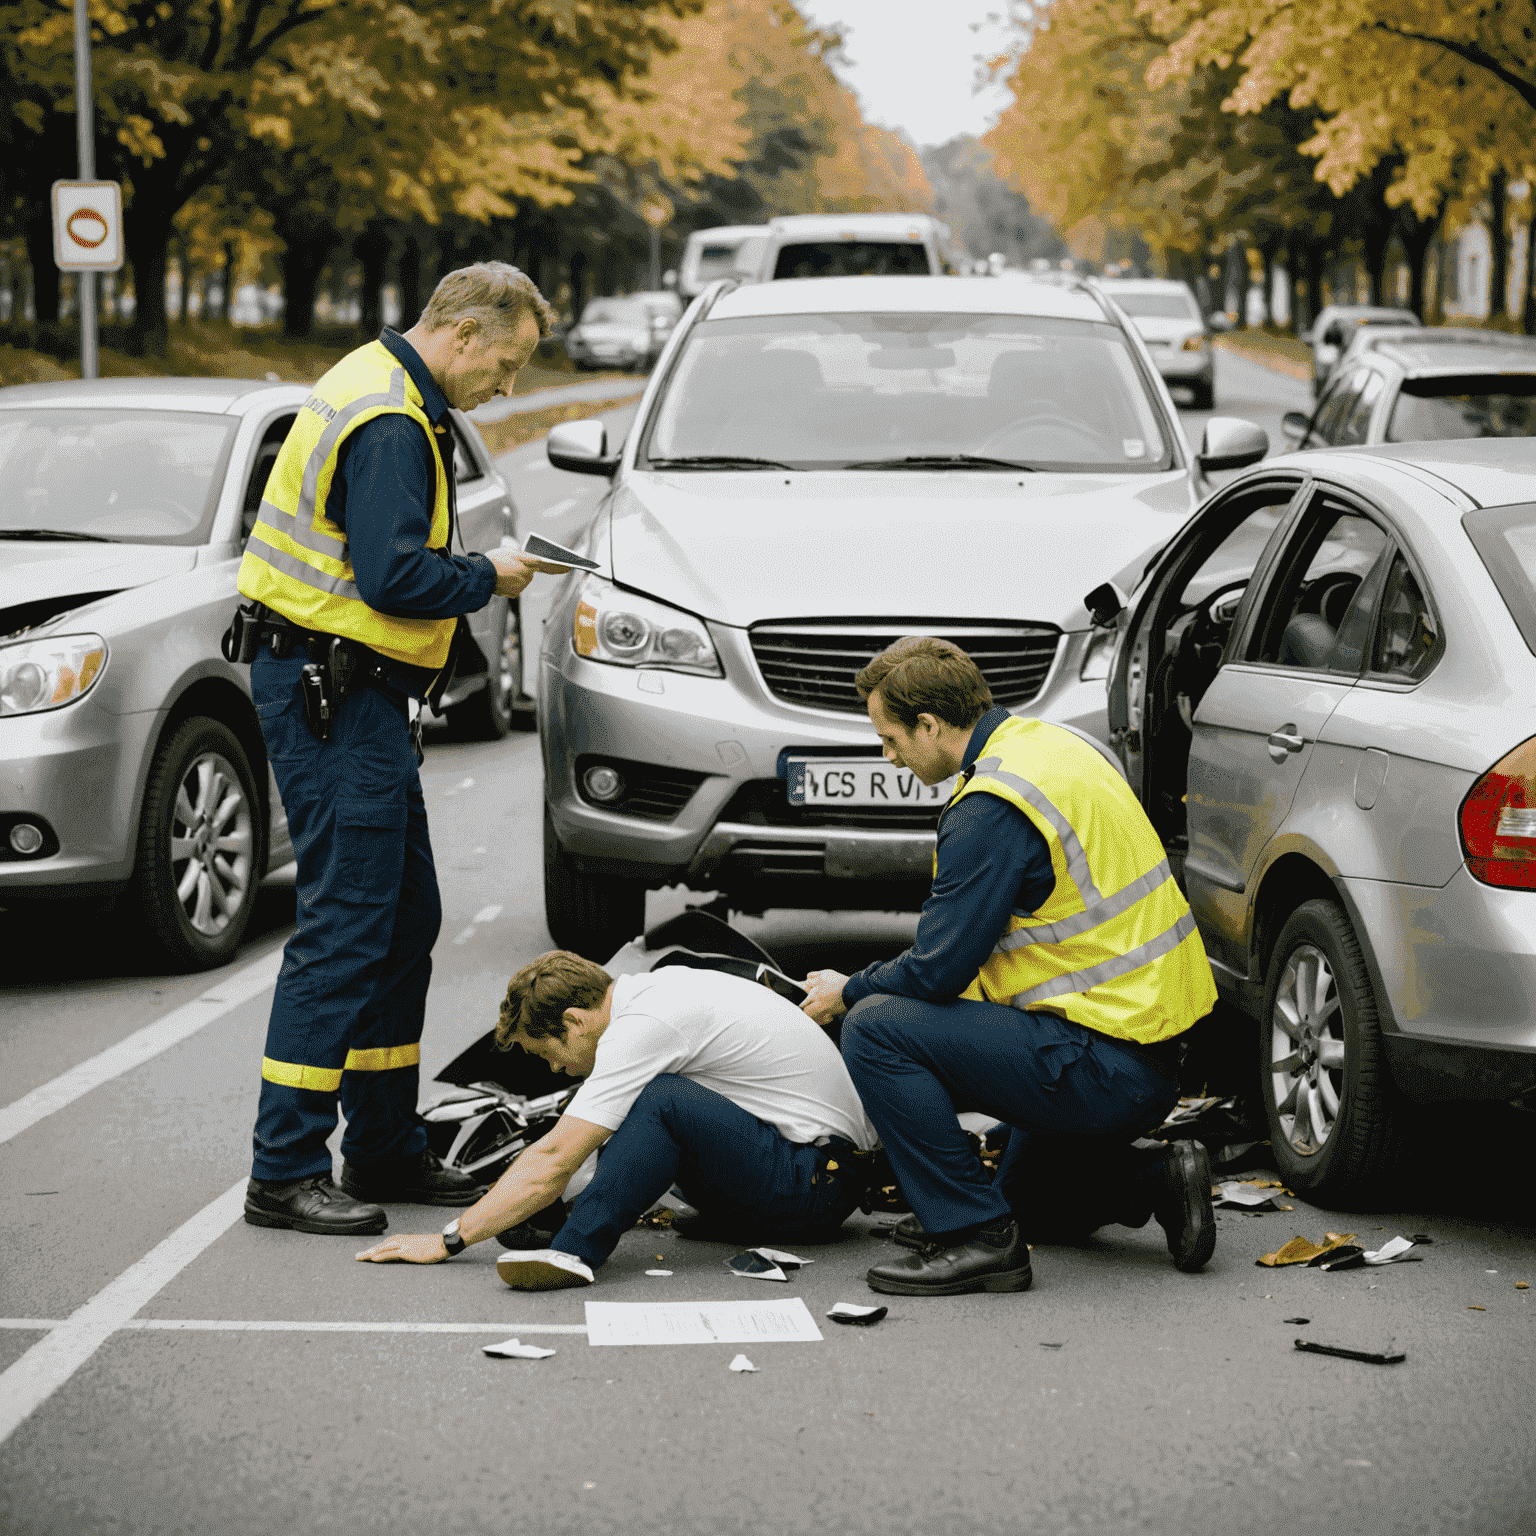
x=131 y=762
x=816 y=469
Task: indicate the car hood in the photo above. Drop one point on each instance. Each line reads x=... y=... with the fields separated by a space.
x=38 y=573
x=740 y=548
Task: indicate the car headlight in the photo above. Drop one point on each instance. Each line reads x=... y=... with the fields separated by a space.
x=635 y=631
x=1195 y=343
x=1098 y=655
x=47 y=674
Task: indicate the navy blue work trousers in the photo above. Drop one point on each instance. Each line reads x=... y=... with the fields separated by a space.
x=351 y=996
x=739 y=1171
x=1074 y=1098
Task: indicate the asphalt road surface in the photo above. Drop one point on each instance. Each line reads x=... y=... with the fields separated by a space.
x=167 y=1368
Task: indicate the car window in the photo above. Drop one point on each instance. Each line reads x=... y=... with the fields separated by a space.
x=1334 y=411
x=261 y=472
x=466 y=467
x=1505 y=538
x=1407 y=642
x=1357 y=424
x=1477 y=406
x=852 y=258
x=1156 y=306
x=1316 y=581
x=142 y=477
x=1230 y=564
x=832 y=390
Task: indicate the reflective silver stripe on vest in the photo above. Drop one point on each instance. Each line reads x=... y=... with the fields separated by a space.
x=1070 y=927
x=1108 y=970
x=1077 y=859
x=332 y=435
x=300 y=571
x=332 y=545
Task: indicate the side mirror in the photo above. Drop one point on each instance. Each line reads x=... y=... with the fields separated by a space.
x=581 y=448
x=1105 y=604
x=1294 y=425
x=1231 y=443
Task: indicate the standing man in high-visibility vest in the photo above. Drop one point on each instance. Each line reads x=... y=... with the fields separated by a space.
x=1055 y=969
x=356 y=600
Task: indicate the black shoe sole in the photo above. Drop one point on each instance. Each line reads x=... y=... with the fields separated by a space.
x=1008 y=1280
x=370 y=1228
x=413 y=1196
x=1198 y=1219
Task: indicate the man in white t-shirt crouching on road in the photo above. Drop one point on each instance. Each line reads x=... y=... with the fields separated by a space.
x=693 y=1078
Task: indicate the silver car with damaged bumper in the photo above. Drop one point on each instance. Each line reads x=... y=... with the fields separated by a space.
x=1325 y=697
x=816 y=469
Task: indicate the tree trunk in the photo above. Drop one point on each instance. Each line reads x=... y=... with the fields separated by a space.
x=147 y=235
x=1417 y=235
x=1528 y=309
x=227 y=276
x=301 y=265
x=1498 y=247
x=1292 y=318
x=45 y=275
x=372 y=250
x=408 y=275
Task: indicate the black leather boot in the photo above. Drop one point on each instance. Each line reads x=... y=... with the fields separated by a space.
x=995 y=1259
x=1182 y=1206
x=419 y=1180
x=311 y=1205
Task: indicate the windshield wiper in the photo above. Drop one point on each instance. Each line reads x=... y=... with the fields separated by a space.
x=715 y=461
x=942 y=461
x=54 y=533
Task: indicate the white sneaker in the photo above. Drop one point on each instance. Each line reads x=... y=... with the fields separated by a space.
x=547 y=1269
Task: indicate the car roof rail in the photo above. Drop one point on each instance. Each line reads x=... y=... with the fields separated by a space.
x=716 y=290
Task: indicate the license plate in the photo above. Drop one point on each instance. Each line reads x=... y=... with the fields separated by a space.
x=861 y=781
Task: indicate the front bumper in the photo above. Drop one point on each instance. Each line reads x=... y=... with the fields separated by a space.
x=732 y=730
x=78 y=769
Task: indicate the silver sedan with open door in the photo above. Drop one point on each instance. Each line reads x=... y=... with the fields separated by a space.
x=1324 y=693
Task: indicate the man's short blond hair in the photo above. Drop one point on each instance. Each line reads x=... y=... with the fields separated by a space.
x=493 y=294
x=538 y=995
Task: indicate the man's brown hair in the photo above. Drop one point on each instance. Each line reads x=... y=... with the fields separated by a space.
x=923 y=675
x=494 y=294
x=539 y=994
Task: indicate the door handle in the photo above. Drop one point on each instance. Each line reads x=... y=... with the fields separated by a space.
x=1284 y=741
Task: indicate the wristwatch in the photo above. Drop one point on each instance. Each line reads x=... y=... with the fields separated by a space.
x=451 y=1239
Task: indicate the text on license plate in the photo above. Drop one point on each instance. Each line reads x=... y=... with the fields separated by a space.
x=860 y=781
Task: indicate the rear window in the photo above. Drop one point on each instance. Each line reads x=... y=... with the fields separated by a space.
x=1478 y=405
x=1156 y=306
x=853 y=258
x=1506 y=539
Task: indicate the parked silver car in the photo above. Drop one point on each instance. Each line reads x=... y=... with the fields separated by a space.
x=131 y=761
x=816 y=469
x=1169 y=319
x=615 y=333
x=1334 y=328
x=1325 y=697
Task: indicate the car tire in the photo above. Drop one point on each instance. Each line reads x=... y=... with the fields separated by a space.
x=201 y=846
x=1204 y=396
x=488 y=713
x=593 y=915
x=1322 y=1065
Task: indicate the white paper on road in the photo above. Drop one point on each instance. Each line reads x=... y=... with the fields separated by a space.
x=741 y=1363
x=512 y=1349
x=784 y=1320
x=1395 y=1252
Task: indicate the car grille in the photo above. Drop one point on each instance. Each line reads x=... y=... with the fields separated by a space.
x=814 y=665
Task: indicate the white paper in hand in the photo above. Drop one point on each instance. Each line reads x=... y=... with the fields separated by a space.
x=510 y=1349
x=537 y=547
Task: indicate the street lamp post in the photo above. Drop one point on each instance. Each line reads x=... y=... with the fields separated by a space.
x=85 y=133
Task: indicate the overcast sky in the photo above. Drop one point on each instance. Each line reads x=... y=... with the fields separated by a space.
x=913 y=62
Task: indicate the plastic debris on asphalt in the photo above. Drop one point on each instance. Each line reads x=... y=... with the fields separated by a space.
x=1234 y=1194
x=1398 y=1251
x=661 y=1274
x=859 y=1317
x=741 y=1363
x=1386 y=1356
x=1300 y=1251
x=764 y=1264
x=511 y=1349
x=1216 y=1123
x=1297 y=1322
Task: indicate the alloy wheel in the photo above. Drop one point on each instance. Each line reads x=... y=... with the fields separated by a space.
x=509 y=670
x=212 y=838
x=1307 y=1050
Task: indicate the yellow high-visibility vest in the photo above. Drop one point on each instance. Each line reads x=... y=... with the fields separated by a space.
x=1115 y=946
x=296 y=560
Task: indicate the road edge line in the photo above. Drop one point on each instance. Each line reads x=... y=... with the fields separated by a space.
x=223 y=1325
x=31 y=1380
x=141 y=1046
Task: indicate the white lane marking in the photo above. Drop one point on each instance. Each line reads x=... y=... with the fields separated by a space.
x=466 y=936
x=467 y=784
x=39 y=1323
x=219 y=1325
x=38 y=1374
x=487 y=914
x=536 y=463
x=141 y=1046
x=559 y=507
x=479 y=850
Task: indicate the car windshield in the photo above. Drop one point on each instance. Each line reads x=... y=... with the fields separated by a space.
x=1155 y=306
x=615 y=312
x=831 y=391
x=142 y=477
x=852 y=258
x=1506 y=539
x=1428 y=410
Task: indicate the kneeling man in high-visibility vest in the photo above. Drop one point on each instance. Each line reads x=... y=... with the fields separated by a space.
x=1055 y=972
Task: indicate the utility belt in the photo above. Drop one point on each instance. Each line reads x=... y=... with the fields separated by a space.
x=336 y=667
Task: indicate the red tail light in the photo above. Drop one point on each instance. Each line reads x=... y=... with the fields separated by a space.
x=1498 y=821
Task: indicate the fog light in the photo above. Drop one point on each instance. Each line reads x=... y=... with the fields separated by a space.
x=602 y=784
x=25 y=838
